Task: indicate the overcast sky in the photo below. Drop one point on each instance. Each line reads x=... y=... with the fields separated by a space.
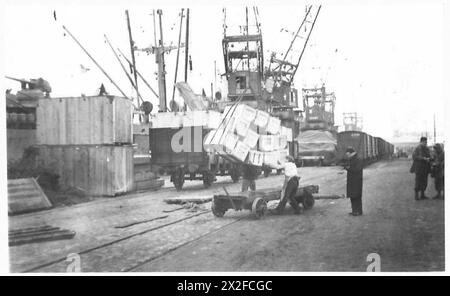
x=384 y=61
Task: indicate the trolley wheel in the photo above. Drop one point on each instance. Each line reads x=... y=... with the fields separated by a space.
x=218 y=212
x=267 y=172
x=208 y=178
x=259 y=208
x=178 y=179
x=308 y=201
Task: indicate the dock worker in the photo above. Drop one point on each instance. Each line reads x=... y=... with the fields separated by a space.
x=290 y=186
x=421 y=168
x=249 y=175
x=438 y=170
x=102 y=90
x=354 y=168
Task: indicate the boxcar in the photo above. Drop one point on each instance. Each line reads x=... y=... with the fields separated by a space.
x=358 y=140
x=369 y=148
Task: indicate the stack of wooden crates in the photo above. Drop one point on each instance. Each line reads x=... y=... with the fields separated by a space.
x=87 y=141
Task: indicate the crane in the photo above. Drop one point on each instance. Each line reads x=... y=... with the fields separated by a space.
x=281 y=71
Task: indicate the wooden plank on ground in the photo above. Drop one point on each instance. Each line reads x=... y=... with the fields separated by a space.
x=188 y=199
x=40 y=237
x=28 y=200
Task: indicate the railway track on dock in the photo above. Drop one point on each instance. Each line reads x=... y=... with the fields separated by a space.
x=146 y=244
x=113 y=243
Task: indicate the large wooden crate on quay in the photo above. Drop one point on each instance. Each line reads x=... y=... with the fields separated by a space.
x=93 y=120
x=93 y=169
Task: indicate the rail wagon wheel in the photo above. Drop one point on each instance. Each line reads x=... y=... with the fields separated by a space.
x=259 y=208
x=279 y=171
x=308 y=201
x=208 y=178
x=267 y=172
x=217 y=211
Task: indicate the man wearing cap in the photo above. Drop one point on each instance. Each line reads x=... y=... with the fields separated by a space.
x=290 y=187
x=438 y=170
x=354 y=169
x=421 y=168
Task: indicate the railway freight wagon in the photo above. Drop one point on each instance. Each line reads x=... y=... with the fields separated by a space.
x=192 y=162
x=360 y=141
x=176 y=146
x=369 y=148
x=385 y=149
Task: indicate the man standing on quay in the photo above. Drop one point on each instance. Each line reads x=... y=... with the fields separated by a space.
x=421 y=168
x=354 y=169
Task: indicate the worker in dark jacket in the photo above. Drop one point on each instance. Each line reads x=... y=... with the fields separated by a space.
x=354 y=169
x=289 y=190
x=438 y=170
x=249 y=175
x=421 y=168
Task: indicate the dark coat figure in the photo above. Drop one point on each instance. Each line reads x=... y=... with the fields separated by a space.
x=289 y=195
x=354 y=169
x=249 y=175
x=438 y=171
x=421 y=168
x=102 y=90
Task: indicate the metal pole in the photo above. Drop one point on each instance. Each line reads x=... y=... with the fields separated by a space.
x=186 y=50
x=298 y=31
x=212 y=92
x=306 y=42
x=95 y=62
x=434 y=127
x=138 y=73
x=161 y=67
x=123 y=68
x=154 y=28
x=178 y=54
x=248 y=48
x=215 y=76
x=132 y=52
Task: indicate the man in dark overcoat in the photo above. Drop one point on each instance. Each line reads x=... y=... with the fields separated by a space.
x=421 y=168
x=438 y=170
x=354 y=169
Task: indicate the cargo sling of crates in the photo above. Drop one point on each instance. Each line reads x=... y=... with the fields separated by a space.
x=269 y=89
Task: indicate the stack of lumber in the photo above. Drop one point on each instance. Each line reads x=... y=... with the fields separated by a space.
x=38 y=234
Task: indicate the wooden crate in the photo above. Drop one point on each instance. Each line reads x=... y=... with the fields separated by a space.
x=95 y=170
x=92 y=120
x=18 y=140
